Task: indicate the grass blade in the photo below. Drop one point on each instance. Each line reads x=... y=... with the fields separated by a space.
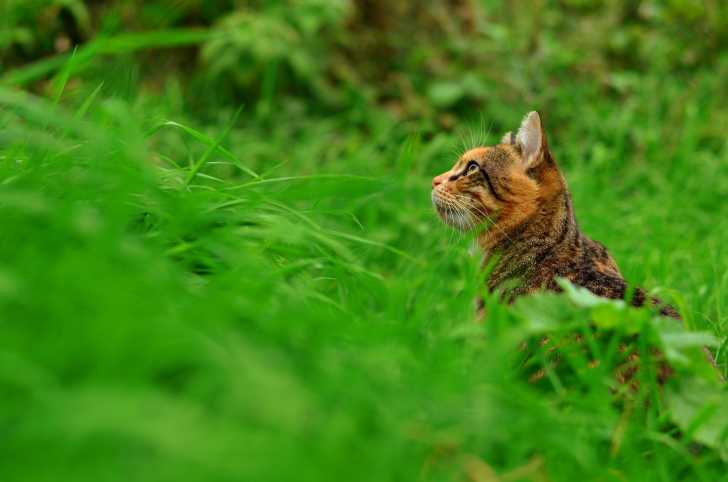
x=206 y=156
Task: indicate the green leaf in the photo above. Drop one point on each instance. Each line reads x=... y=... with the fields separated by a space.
x=700 y=409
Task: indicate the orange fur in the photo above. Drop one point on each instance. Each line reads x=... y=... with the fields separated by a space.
x=515 y=196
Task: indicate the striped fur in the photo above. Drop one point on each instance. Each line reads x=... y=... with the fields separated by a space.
x=515 y=194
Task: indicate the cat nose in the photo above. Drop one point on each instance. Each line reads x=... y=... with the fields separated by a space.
x=437 y=180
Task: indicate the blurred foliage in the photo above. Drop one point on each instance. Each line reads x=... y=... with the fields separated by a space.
x=218 y=260
x=238 y=324
x=443 y=57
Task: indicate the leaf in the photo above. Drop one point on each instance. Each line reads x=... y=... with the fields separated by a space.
x=583 y=297
x=700 y=409
x=546 y=312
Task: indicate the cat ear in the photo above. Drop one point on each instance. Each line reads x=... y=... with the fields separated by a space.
x=531 y=139
x=508 y=138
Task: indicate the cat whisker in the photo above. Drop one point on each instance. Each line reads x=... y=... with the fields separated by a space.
x=492 y=222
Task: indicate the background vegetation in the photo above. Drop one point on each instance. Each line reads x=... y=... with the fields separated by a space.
x=218 y=260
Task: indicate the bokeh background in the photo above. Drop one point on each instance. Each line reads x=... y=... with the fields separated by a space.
x=218 y=260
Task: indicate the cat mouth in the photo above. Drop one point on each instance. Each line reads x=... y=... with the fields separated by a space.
x=443 y=205
x=444 y=209
x=457 y=218
x=463 y=218
x=440 y=204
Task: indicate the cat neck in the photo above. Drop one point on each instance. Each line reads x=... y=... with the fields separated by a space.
x=547 y=235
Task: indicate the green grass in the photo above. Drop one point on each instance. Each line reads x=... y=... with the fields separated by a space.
x=169 y=313
x=264 y=293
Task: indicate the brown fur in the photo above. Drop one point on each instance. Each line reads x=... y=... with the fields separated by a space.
x=533 y=235
x=530 y=236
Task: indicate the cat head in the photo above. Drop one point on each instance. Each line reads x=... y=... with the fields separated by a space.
x=500 y=185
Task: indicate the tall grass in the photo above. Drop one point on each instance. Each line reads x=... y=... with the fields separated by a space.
x=264 y=293
x=175 y=307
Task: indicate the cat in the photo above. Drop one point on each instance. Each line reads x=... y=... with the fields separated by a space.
x=516 y=194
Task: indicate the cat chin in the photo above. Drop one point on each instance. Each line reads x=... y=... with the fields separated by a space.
x=457 y=221
x=462 y=221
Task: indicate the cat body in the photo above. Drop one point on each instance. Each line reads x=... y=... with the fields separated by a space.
x=515 y=191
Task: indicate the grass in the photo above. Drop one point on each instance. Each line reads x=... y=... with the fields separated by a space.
x=271 y=298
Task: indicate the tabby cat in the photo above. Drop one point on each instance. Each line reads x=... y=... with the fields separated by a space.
x=517 y=193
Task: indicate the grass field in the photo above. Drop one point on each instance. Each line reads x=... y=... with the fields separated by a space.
x=198 y=285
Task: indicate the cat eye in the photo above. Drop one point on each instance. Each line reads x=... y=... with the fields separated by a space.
x=472 y=167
